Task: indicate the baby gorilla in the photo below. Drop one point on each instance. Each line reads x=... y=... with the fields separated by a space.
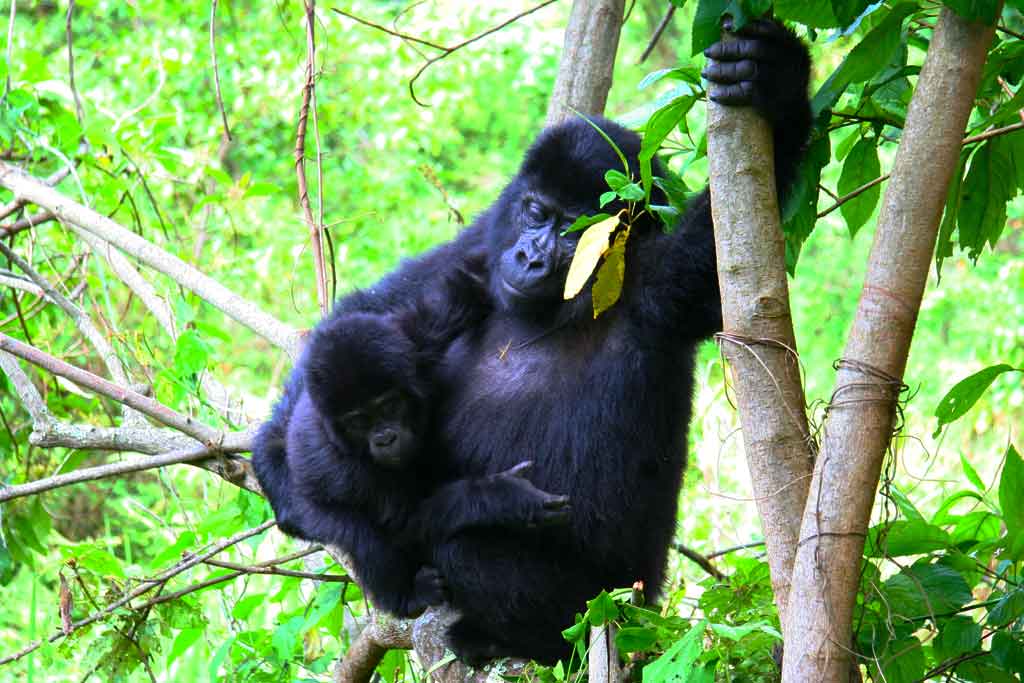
x=357 y=467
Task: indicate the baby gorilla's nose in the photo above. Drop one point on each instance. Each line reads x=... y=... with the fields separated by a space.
x=385 y=438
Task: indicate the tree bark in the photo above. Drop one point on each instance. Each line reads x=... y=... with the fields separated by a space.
x=758 y=339
x=860 y=422
x=588 y=59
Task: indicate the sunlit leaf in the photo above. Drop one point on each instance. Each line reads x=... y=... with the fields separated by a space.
x=608 y=284
x=966 y=393
x=594 y=242
x=1011 y=484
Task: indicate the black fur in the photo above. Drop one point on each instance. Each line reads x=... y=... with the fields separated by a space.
x=602 y=406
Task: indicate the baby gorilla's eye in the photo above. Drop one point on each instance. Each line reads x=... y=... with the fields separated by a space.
x=356 y=423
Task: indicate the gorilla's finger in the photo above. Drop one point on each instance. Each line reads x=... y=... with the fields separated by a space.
x=735 y=50
x=735 y=94
x=519 y=469
x=730 y=72
x=556 y=502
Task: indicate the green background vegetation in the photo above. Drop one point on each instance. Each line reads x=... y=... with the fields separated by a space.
x=158 y=164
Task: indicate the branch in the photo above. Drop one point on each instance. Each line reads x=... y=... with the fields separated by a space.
x=859 y=426
x=700 y=560
x=758 y=339
x=657 y=33
x=383 y=633
x=588 y=59
x=123 y=395
x=216 y=71
x=25 y=223
x=316 y=228
x=143 y=588
x=241 y=310
x=269 y=569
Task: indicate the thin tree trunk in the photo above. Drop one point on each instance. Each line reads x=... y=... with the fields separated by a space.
x=588 y=59
x=860 y=422
x=758 y=340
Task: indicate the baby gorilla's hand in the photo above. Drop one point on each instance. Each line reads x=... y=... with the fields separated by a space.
x=526 y=505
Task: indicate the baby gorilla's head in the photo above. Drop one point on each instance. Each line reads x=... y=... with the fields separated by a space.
x=361 y=375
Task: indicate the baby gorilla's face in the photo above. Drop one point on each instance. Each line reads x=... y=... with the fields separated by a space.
x=386 y=427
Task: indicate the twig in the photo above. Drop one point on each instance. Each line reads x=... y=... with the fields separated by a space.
x=79 y=112
x=363 y=656
x=854 y=193
x=981 y=137
x=445 y=51
x=52 y=180
x=144 y=588
x=268 y=569
x=308 y=95
x=703 y=562
x=24 y=285
x=121 y=394
x=657 y=33
x=27 y=392
x=732 y=549
x=10 y=45
x=25 y=223
x=239 y=309
x=216 y=73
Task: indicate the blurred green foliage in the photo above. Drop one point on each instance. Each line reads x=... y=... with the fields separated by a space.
x=395 y=176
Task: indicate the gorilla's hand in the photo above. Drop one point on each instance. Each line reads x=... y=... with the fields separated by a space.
x=525 y=505
x=765 y=66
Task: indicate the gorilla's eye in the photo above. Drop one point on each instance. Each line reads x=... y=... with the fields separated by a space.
x=537 y=212
x=356 y=422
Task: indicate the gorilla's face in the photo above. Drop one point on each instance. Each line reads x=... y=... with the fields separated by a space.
x=385 y=428
x=531 y=270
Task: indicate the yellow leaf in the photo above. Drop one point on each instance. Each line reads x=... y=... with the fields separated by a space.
x=593 y=243
x=608 y=284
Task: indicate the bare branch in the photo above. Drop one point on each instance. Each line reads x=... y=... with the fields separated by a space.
x=588 y=59
x=114 y=469
x=27 y=392
x=267 y=569
x=758 y=338
x=25 y=223
x=657 y=33
x=143 y=588
x=700 y=560
x=15 y=282
x=123 y=395
x=316 y=228
x=859 y=427
x=216 y=72
x=241 y=310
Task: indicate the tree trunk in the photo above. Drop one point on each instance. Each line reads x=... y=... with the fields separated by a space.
x=860 y=422
x=588 y=59
x=758 y=340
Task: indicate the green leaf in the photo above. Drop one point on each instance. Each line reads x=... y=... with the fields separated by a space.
x=1011 y=484
x=925 y=589
x=966 y=393
x=812 y=13
x=983 y=11
x=902 y=661
x=661 y=123
x=872 y=54
x=182 y=642
x=616 y=179
x=606 y=199
x=905 y=506
x=244 y=607
x=989 y=185
x=958 y=635
x=707 y=24
x=635 y=638
x=944 y=244
x=584 y=222
x=687 y=74
x=631 y=192
x=972 y=474
x=602 y=609
x=218 y=658
x=848 y=10
x=1009 y=608
x=1008 y=651
x=942 y=516
x=738 y=633
x=191 y=354
x=905 y=537
x=678 y=663
x=800 y=211
x=862 y=166
x=577 y=631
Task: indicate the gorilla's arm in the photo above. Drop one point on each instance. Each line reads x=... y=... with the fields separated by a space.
x=270 y=463
x=507 y=499
x=766 y=67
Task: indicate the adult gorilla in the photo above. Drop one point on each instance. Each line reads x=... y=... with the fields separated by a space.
x=601 y=406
